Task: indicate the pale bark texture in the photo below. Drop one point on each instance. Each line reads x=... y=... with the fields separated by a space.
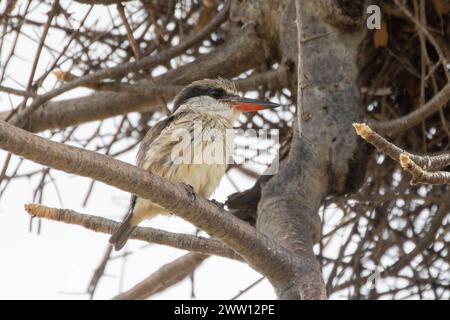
x=319 y=160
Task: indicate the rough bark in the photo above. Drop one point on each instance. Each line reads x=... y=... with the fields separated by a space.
x=320 y=159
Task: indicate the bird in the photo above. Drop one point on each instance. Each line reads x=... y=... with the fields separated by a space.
x=202 y=120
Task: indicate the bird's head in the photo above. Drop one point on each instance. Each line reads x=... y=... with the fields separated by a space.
x=217 y=97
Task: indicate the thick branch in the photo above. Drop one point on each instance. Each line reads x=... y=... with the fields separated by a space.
x=17 y=92
x=274 y=79
x=164 y=277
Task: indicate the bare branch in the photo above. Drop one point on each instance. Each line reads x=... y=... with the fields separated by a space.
x=434 y=225
x=274 y=78
x=37 y=56
x=422 y=176
x=10 y=5
x=98 y=273
x=18 y=92
x=164 y=277
x=131 y=39
x=236 y=56
x=428 y=162
x=241 y=292
x=101 y=2
x=99 y=224
x=414 y=118
x=408 y=161
x=125 y=68
x=424 y=30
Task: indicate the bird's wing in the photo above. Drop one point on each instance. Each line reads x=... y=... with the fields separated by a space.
x=151 y=136
x=121 y=235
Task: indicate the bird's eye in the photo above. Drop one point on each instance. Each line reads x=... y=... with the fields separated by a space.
x=216 y=93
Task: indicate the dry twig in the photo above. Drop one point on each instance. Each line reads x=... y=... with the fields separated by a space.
x=409 y=162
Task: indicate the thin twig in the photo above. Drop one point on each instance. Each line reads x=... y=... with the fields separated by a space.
x=248 y=288
x=429 y=36
x=17 y=92
x=98 y=273
x=300 y=68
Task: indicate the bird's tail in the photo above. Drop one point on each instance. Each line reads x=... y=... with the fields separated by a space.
x=120 y=237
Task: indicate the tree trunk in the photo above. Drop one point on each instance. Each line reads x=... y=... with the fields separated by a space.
x=320 y=159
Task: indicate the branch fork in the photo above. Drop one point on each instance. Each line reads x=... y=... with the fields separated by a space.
x=422 y=168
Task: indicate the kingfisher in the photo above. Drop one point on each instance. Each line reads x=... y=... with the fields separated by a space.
x=191 y=146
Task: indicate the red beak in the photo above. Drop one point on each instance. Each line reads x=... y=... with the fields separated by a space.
x=251 y=105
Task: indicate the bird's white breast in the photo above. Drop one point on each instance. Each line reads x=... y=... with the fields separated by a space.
x=202 y=171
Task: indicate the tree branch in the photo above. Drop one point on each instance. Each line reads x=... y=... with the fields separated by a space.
x=274 y=78
x=125 y=68
x=322 y=152
x=239 y=53
x=422 y=176
x=99 y=224
x=164 y=277
x=431 y=39
x=428 y=162
x=414 y=164
x=414 y=118
x=301 y=80
x=18 y=92
x=102 y=2
x=433 y=162
x=422 y=243
x=99 y=272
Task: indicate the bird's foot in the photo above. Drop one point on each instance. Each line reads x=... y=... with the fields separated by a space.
x=190 y=190
x=218 y=204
